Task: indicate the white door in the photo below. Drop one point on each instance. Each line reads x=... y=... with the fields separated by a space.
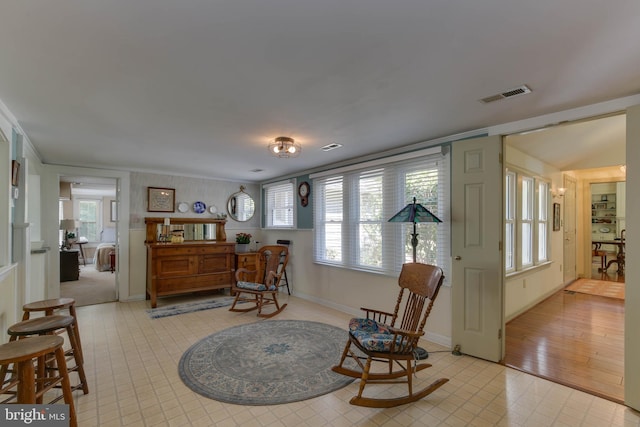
x=569 y=230
x=476 y=228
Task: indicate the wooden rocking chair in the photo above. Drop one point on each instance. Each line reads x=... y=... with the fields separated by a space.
x=260 y=286
x=380 y=340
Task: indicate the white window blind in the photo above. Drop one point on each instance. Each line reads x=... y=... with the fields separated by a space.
x=279 y=205
x=352 y=209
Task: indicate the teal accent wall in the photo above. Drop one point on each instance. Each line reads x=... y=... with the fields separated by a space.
x=305 y=214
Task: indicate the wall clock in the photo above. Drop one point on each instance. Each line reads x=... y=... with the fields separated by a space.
x=303 y=192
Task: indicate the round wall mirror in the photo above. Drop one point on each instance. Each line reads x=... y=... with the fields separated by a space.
x=241 y=206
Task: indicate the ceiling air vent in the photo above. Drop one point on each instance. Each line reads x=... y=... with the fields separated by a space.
x=331 y=146
x=516 y=91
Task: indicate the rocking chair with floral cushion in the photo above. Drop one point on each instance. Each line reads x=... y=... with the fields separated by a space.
x=380 y=340
x=260 y=286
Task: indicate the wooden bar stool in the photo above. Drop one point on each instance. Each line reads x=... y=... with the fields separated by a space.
x=49 y=325
x=30 y=388
x=50 y=306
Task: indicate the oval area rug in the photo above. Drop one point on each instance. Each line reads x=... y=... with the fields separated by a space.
x=266 y=363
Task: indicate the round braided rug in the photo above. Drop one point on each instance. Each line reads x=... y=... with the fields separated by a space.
x=266 y=363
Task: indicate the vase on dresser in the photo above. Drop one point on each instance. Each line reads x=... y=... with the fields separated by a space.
x=242 y=248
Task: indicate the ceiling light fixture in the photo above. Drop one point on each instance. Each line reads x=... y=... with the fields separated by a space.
x=285 y=147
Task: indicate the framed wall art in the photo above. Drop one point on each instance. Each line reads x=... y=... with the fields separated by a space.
x=161 y=199
x=556 y=217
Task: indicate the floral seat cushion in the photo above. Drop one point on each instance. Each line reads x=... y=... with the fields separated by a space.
x=372 y=335
x=250 y=286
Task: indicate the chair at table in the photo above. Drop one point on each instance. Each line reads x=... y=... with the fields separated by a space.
x=386 y=337
x=260 y=287
x=598 y=252
x=620 y=257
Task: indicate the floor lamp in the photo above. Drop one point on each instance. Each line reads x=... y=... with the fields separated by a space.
x=414 y=213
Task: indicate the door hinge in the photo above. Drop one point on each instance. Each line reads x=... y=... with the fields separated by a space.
x=499 y=334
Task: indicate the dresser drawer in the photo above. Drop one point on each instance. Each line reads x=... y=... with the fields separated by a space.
x=175 y=250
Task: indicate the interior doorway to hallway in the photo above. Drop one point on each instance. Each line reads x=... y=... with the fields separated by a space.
x=550 y=339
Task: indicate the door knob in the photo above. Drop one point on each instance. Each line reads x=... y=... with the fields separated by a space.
x=458 y=258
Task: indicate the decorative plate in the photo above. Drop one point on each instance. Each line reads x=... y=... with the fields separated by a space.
x=605 y=230
x=183 y=207
x=199 y=207
x=213 y=209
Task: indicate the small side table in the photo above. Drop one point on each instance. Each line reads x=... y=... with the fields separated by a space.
x=84 y=260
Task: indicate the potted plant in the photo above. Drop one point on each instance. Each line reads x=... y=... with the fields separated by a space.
x=242 y=242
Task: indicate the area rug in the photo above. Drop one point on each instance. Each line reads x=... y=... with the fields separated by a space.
x=601 y=288
x=266 y=363
x=172 y=310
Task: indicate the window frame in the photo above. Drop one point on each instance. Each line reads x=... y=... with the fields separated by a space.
x=99 y=216
x=337 y=198
x=521 y=213
x=287 y=189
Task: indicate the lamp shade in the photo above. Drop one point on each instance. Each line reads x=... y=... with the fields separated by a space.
x=414 y=212
x=68 y=224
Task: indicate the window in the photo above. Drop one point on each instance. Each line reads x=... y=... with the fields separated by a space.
x=90 y=221
x=279 y=205
x=527 y=207
x=352 y=207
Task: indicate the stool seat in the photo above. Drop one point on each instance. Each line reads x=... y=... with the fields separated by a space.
x=54 y=324
x=19 y=351
x=25 y=386
x=48 y=305
x=40 y=325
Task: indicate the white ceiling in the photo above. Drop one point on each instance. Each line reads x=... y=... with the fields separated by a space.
x=200 y=87
x=581 y=145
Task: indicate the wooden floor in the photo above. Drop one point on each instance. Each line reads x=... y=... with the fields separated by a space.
x=573 y=339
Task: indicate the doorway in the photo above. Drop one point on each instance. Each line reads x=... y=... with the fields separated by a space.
x=570 y=151
x=86 y=206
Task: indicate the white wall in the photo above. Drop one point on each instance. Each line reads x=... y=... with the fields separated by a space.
x=524 y=290
x=348 y=290
x=189 y=190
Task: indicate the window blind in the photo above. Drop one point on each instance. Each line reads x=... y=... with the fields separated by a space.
x=352 y=209
x=279 y=205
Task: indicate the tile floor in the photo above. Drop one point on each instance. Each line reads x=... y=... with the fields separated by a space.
x=131 y=364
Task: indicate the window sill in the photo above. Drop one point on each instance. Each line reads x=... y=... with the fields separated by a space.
x=528 y=270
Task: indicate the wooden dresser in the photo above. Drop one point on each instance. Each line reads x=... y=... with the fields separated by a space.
x=192 y=266
x=248 y=260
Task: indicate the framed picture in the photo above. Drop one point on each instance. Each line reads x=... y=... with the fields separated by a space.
x=556 y=217
x=114 y=211
x=161 y=199
x=15 y=171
